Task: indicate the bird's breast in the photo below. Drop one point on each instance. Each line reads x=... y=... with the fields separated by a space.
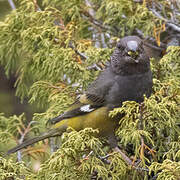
x=130 y=88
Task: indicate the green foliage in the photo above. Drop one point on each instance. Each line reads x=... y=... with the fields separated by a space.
x=11 y=170
x=44 y=48
x=36 y=46
x=9 y=126
x=127 y=14
x=78 y=158
x=13 y=127
x=123 y=14
x=169 y=169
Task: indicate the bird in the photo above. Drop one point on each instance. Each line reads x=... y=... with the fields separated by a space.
x=127 y=77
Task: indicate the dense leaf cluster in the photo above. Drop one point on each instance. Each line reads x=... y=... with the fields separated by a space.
x=53 y=49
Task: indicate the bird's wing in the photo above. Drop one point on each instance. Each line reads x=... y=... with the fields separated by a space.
x=92 y=99
x=102 y=85
x=85 y=103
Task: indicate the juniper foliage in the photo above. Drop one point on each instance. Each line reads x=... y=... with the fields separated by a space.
x=53 y=49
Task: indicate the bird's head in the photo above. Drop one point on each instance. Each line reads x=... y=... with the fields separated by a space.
x=129 y=56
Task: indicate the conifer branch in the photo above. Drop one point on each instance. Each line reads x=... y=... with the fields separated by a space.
x=83 y=56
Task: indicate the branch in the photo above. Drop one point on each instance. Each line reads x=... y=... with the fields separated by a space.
x=169 y=23
x=173 y=26
x=129 y=162
x=154 y=47
x=11 y=3
x=95 y=67
x=23 y=134
x=126 y=159
x=83 y=56
x=95 y=21
x=36 y=5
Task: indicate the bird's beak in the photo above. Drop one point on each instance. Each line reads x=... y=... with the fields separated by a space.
x=134 y=55
x=133 y=50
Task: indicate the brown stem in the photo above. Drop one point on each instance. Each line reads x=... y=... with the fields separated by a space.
x=125 y=158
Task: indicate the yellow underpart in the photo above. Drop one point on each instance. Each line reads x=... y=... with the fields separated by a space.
x=98 y=119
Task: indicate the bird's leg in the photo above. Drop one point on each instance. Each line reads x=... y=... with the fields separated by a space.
x=112 y=140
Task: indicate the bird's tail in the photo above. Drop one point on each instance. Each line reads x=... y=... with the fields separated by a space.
x=50 y=133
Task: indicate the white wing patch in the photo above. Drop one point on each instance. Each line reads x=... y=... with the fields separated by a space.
x=86 y=108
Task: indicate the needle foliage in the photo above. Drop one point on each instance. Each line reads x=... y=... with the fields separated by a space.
x=53 y=47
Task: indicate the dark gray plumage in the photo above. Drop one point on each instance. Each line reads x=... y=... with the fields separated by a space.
x=127 y=78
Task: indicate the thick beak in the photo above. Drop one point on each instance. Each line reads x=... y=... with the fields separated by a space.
x=134 y=55
x=133 y=50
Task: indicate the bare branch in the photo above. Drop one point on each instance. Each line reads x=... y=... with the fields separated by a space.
x=19 y=156
x=129 y=162
x=125 y=158
x=169 y=23
x=11 y=3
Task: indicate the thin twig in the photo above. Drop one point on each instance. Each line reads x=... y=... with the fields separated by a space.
x=168 y=22
x=94 y=67
x=83 y=56
x=11 y=3
x=23 y=134
x=141 y=35
x=154 y=47
x=129 y=162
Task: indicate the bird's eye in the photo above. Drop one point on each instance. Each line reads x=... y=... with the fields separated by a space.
x=119 y=46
